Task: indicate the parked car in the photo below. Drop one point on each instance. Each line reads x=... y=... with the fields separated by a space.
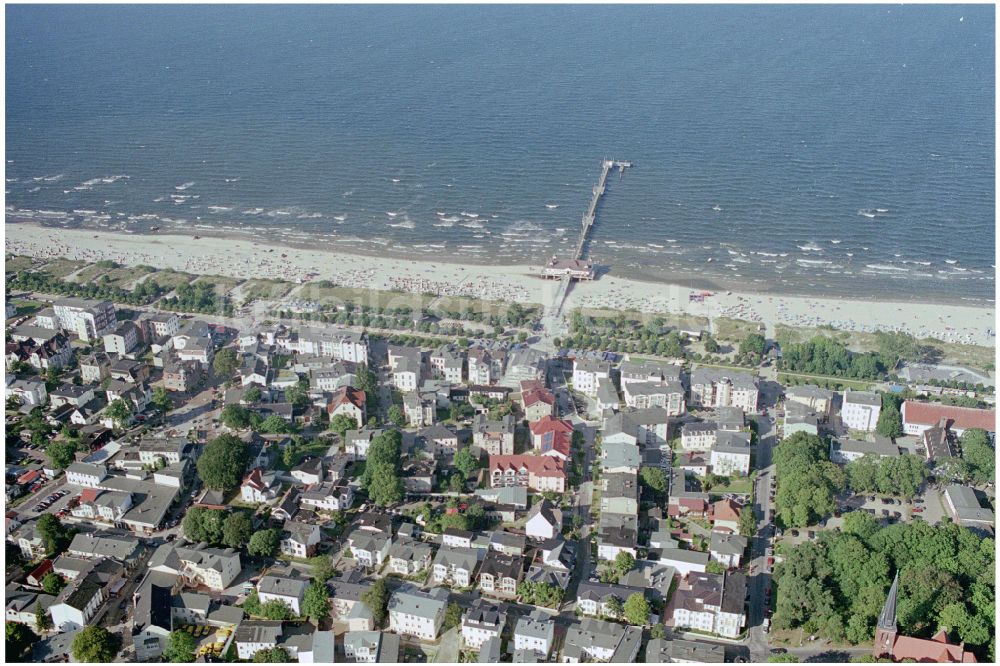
x=918 y=509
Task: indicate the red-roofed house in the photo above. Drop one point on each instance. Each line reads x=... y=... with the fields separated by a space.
x=538 y=473
x=538 y=403
x=725 y=516
x=888 y=642
x=36 y=576
x=88 y=495
x=350 y=401
x=543 y=428
x=260 y=486
x=920 y=416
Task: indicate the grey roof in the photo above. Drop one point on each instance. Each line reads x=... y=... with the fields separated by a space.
x=809 y=391
x=603 y=592
x=620 y=455
x=460 y=558
x=728 y=544
x=414 y=601
x=508 y=539
x=862 y=398
x=100 y=545
x=484 y=614
x=729 y=441
x=283 y=586
x=699 y=427
x=887 y=617
x=662 y=650
x=734 y=592
x=682 y=555
x=536 y=625
x=967 y=506
x=258 y=631
x=880 y=447
x=739 y=380
x=729 y=418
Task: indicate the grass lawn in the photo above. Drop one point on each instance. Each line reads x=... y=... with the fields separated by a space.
x=739 y=485
x=254 y=289
x=734 y=329
x=223 y=284
x=60 y=268
x=14 y=263
x=313 y=447
x=171 y=279
x=823 y=381
x=25 y=306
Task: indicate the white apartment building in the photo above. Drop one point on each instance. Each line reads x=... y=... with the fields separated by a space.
x=860 y=410
x=89 y=319
x=419 y=613
x=711 y=387
x=586 y=374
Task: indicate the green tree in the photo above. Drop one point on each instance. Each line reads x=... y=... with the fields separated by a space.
x=275 y=655
x=316 y=602
x=396 y=416
x=95 y=644
x=753 y=344
x=322 y=568
x=978 y=455
x=43 y=622
x=264 y=543
x=748 y=521
x=658 y=631
x=19 y=641
x=52 y=583
x=654 y=478
x=715 y=567
x=162 y=399
x=54 y=534
x=784 y=658
x=341 y=423
x=276 y=609
x=237 y=529
x=637 y=609
x=223 y=462
x=180 y=647
x=252 y=395
x=466 y=461
x=890 y=421
x=61 y=453
x=614 y=608
x=376 y=598
x=251 y=605
x=807 y=481
x=275 y=425
x=225 y=362
x=201 y=524
x=366 y=380
x=236 y=417
x=120 y=412
x=624 y=562
x=456 y=483
x=452 y=616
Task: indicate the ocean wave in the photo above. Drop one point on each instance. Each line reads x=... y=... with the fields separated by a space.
x=220 y=209
x=253 y=211
x=183 y=186
x=810 y=247
x=405 y=224
x=887 y=268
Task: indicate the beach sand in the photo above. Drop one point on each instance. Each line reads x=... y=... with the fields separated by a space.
x=244 y=257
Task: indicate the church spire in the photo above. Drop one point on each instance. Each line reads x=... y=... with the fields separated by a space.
x=887 y=618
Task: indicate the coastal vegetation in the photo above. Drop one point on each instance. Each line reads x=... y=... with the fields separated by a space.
x=901 y=476
x=144 y=293
x=825 y=356
x=836 y=585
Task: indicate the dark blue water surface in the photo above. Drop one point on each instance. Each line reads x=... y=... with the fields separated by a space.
x=818 y=149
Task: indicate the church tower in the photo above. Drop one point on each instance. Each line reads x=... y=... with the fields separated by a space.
x=885 y=631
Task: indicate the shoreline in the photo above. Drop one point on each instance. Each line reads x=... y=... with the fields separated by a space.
x=247 y=258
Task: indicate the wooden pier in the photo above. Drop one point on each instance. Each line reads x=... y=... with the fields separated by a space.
x=591 y=215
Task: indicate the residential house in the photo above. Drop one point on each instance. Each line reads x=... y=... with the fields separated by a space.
x=439 y=440
x=370 y=549
x=816 y=399
x=95 y=367
x=77 y=603
x=725 y=515
x=215 y=568
x=289 y=591
x=682 y=501
x=350 y=401
x=88 y=319
x=418 y=613
x=408 y=557
x=299 y=539
x=496 y=438
x=328 y=496
x=586 y=374
x=713 y=603
x=454 y=566
x=545 y=521
x=727 y=549
x=598 y=599
x=29 y=392
x=356 y=442
x=123 y=339
x=482 y=621
x=591 y=640
x=698 y=435
x=448 y=364
x=309 y=471
x=535 y=633
x=538 y=403
x=260 y=487
x=731 y=453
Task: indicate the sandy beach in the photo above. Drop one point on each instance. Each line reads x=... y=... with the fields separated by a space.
x=243 y=257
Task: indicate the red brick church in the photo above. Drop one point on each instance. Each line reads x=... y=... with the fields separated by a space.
x=937 y=649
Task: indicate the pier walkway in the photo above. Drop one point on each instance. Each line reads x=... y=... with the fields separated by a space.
x=591 y=215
